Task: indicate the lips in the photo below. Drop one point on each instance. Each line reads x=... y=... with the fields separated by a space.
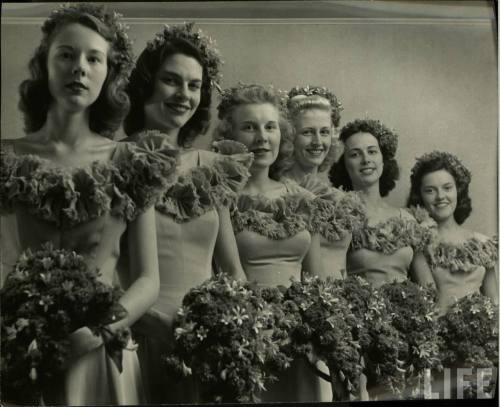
x=315 y=151
x=76 y=86
x=367 y=171
x=259 y=151
x=441 y=205
x=178 y=108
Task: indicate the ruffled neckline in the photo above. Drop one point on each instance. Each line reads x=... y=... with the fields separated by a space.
x=396 y=232
x=206 y=186
x=338 y=213
x=124 y=186
x=463 y=257
x=275 y=218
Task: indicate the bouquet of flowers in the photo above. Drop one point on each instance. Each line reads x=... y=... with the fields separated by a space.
x=469 y=337
x=412 y=308
x=48 y=295
x=328 y=330
x=381 y=343
x=224 y=338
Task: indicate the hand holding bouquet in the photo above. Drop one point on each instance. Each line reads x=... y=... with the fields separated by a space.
x=47 y=301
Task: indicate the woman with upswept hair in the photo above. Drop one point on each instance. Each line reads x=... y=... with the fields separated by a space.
x=272 y=218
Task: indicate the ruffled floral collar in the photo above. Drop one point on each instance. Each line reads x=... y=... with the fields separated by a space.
x=206 y=186
x=277 y=218
x=66 y=197
x=396 y=232
x=338 y=213
x=463 y=257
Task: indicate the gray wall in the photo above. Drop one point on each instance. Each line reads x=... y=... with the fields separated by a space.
x=432 y=79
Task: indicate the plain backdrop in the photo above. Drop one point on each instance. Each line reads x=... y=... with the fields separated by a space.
x=430 y=75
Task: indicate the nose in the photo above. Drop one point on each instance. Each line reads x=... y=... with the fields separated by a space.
x=182 y=91
x=440 y=194
x=261 y=135
x=364 y=157
x=80 y=66
x=316 y=138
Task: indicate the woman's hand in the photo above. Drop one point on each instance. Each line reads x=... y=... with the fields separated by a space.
x=82 y=341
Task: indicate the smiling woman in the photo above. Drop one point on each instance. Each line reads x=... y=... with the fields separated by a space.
x=170 y=91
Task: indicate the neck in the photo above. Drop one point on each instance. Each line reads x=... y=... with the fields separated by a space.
x=299 y=172
x=448 y=225
x=172 y=135
x=259 y=179
x=371 y=196
x=71 y=129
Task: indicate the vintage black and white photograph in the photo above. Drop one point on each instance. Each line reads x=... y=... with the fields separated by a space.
x=249 y=202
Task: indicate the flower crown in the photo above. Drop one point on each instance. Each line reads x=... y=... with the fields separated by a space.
x=387 y=139
x=120 y=42
x=206 y=46
x=295 y=99
x=231 y=96
x=449 y=161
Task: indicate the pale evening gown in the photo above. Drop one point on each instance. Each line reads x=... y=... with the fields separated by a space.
x=85 y=209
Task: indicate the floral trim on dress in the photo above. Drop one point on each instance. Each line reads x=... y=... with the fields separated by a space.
x=464 y=257
x=206 y=187
x=124 y=186
x=276 y=219
x=396 y=232
x=338 y=213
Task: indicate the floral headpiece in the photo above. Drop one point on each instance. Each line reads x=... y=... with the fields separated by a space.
x=206 y=46
x=387 y=139
x=230 y=97
x=448 y=160
x=122 y=56
x=297 y=94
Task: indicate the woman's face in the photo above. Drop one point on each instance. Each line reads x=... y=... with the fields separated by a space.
x=363 y=160
x=439 y=194
x=313 y=137
x=257 y=127
x=77 y=64
x=176 y=93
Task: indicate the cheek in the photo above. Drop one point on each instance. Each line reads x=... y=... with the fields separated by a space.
x=301 y=142
x=243 y=138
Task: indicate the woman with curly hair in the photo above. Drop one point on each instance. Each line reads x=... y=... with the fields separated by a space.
x=272 y=217
x=84 y=188
x=315 y=116
x=382 y=250
x=460 y=261
x=170 y=91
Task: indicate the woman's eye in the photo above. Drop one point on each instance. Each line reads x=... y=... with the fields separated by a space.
x=194 y=86
x=307 y=133
x=325 y=132
x=65 y=55
x=168 y=81
x=271 y=127
x=94 y=60
x=247 y=127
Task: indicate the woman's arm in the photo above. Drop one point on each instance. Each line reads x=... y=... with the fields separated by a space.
x=420 y=271
x=143 y=269
x=226 y=250
x=312 y=261
x=489 y=286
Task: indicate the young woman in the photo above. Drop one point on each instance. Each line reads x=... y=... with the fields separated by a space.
x=315 y=115
x=382 y=250
x=460 y=261
x=272 y=218
x=87 y=188
x=170 y=91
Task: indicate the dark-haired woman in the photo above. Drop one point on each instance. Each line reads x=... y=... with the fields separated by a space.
x=382 y=250
x=68 y=183
x=460 y=261
x=170 y=91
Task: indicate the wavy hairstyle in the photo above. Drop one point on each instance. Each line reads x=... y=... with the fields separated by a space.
x=142 y=79
x=244 y=94
x=439 y=160
x=388 y=143
x=112 y=105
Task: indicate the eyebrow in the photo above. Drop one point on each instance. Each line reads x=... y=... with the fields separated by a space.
x=176 y=75
x=95 y=51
